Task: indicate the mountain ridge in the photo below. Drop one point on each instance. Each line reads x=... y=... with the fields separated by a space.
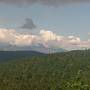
x=37 y=48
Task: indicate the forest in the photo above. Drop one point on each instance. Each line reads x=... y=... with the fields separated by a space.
x=59 y=71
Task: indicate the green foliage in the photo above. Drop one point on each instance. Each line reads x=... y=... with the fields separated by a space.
x=61 y=71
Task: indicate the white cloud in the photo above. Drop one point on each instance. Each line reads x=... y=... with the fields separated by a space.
x=74 y=40
x=49 y=36
x=45 y=37
x=11 y=36
x=7 y=36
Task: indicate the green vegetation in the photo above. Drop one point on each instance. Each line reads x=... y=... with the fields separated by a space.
x=61 y=71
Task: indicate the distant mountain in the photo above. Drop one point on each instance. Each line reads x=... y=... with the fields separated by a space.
x=38 y=48
x=48 y=50
x=11 y=55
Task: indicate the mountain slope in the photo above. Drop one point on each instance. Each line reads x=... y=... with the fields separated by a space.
x=61 y=71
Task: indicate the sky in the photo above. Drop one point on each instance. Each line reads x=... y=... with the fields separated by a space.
x=65 y=23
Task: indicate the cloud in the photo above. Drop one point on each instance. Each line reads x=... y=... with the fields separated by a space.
x=45 y=2
x=11 y=36
x=49 y=36
x=29 y=24
x=45 y=37
x=88 y=33
x=7 y=36
x=74 y=40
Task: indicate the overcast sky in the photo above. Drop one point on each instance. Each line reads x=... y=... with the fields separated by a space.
x=67 y=18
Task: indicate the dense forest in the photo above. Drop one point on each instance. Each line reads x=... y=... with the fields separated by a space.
x=60 y=71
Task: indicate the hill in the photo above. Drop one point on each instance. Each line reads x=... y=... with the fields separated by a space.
x=60 y=71
x=11 y=55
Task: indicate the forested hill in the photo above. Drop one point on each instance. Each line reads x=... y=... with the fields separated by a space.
x=74 y=54
x=11 y=55
x=61 y=71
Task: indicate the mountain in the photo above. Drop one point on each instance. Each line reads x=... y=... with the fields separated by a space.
x=38 y=48
x=12 y=55
x=60 y=71
x=41 y=48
